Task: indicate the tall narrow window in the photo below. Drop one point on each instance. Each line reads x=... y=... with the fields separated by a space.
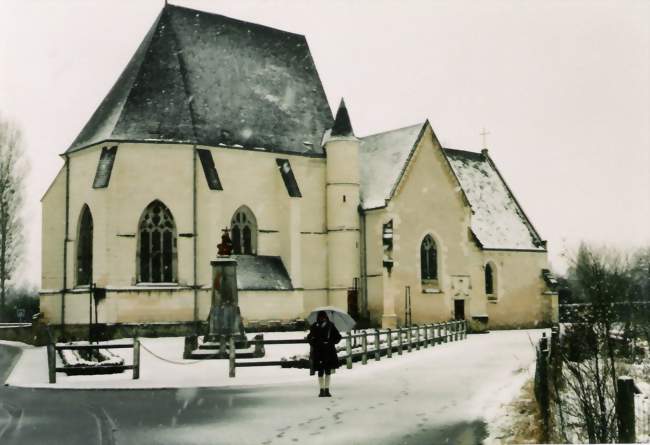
x=85 y=248
x=244 y=232
x=489 y=280
x=428 y=259
x=157 y=245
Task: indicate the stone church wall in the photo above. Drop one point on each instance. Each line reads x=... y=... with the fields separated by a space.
x=288 y=227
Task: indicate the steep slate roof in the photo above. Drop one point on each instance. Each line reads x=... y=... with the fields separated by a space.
x=497 y=220
x=342 y=125
x=212 y=80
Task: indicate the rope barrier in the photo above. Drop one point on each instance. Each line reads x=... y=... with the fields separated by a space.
x=173 y=362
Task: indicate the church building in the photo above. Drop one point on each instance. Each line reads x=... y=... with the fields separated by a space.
x=216 y=124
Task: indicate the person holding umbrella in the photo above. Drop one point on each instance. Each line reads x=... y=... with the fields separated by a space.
x=323 y=337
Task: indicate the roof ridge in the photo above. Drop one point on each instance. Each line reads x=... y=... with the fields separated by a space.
x=258 y=25
x=421 y=124
x=462 y=151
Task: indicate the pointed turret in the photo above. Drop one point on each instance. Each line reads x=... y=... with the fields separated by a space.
x=342 y=126
x=343 y=177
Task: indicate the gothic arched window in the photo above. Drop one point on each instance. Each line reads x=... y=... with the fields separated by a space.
x=428 y=259
x=489 y=284
x=490 y=281
x=244 y=232
x=85 y=248
x=157 y=245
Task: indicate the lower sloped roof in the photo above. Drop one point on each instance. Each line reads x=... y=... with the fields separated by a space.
x=260 y=272
x=497 y=221
x=382 y=157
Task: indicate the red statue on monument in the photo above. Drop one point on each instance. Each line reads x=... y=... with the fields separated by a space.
x=225 y=248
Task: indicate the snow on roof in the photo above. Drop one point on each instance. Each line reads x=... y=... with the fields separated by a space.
x=259 y=272
x=382 y=158
x=208 y=79
x=497 y=220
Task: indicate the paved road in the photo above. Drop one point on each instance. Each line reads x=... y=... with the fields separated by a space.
x=438 y=410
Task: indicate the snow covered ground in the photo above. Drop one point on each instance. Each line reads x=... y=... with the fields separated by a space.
x=450 y=390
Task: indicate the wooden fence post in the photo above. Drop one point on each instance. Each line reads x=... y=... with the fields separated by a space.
x=348 y=351
x=625 y=410
x=445 y=328
x=409 y=338
x=222 y=346
x=399 y=341
x=377 y=347
x=389 y=340
x=364 y=346
x=455 y=330
x=259 y=346
x=136 y=358
x=417 y=337
x=426 y=336
x=231 y=347
x=51 y=362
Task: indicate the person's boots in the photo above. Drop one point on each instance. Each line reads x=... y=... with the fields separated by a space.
x=326 y=393
x=322 y=393
x=326 y=384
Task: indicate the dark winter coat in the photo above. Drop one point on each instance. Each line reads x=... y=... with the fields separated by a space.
x=323 y=342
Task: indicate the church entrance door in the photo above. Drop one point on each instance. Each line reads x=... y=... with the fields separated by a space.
x=353 y=303
x=459 y=309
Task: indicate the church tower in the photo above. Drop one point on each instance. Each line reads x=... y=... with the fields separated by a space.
x=343 y=182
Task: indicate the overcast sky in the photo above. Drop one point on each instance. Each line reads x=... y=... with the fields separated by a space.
x=562 y=88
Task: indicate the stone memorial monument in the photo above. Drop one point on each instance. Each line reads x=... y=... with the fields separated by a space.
x=225 y=316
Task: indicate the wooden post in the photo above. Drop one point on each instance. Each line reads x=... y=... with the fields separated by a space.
x=136 y=359
x=409 y=338
x=417 y=337
x=399 y=341
x=426 y=336
x=222 y=346
x=445 y=328
x=625 y=410
x=389 y=340
x=51 y=362
x=348 y=351
x=465 y=329
x=364 y=346
x=191 y=343
x=259 y=346
x=377 y=347
x=454 y=331
x=231 y=347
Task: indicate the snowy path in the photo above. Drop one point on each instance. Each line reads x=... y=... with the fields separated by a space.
x=428 y=396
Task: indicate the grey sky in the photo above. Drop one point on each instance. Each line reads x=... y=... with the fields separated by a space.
x=562 y=87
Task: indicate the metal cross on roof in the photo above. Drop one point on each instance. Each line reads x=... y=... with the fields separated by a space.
x=484 y=133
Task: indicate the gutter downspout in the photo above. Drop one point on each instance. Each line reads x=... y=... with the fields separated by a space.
x=364 y=264
x=65 y=240
x=194 y=245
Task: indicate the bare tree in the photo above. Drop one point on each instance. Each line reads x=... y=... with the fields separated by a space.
x=595 y=347
x=12 y=169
